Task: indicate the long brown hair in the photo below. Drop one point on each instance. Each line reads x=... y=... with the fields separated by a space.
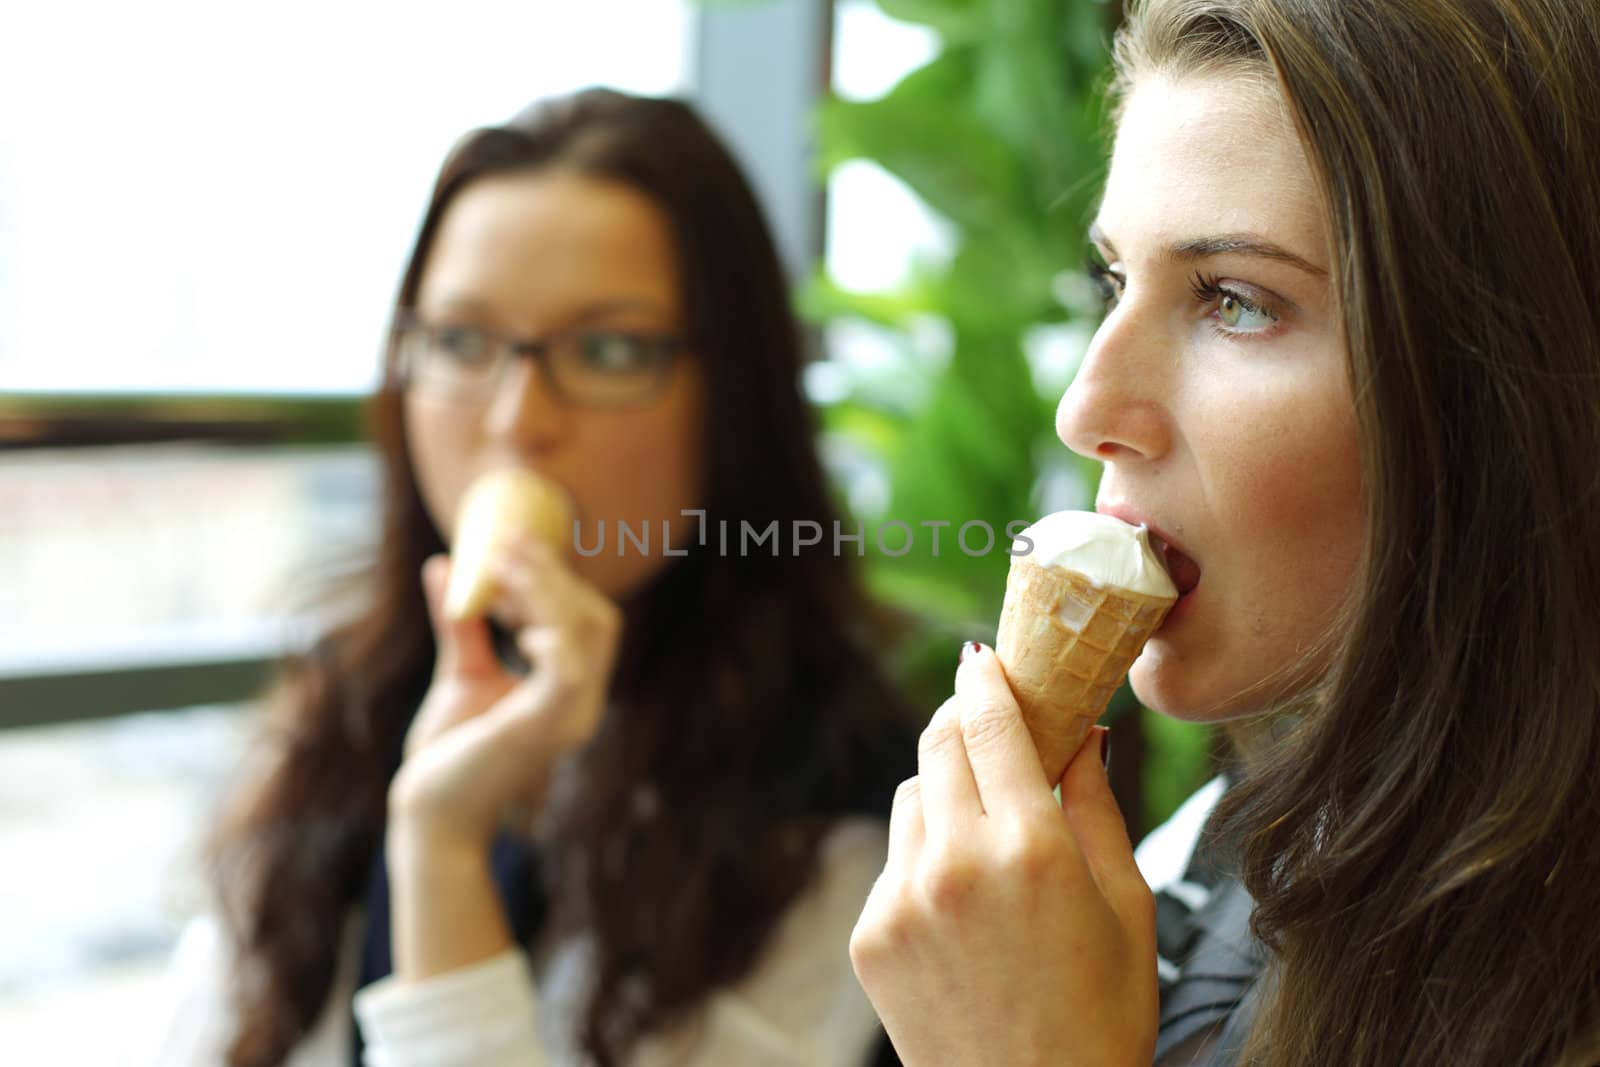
x=745 y=696
x=1424 y=845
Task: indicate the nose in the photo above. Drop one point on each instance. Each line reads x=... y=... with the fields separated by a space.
x=1116 y=408
x=525 y=411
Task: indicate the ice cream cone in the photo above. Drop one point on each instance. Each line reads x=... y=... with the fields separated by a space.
x=1067 y=643
x=499 y=507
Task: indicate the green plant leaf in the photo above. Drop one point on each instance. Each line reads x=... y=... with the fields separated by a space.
x=955 y=20
x=923 y=133
x=1002 y=134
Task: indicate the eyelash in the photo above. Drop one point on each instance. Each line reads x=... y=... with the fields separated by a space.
x=1207 y=289
x=1105 y=283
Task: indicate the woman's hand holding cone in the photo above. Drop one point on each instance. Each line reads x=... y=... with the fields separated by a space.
x=1006 y=928
x=483 y=736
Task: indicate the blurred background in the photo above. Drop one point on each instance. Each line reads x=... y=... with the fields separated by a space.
x=203 y=214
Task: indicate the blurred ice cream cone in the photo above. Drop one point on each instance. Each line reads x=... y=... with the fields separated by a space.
x=500 y=506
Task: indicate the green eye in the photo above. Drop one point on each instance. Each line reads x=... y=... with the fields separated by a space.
x=1232 y=311
x=613 y=353
x=464 y=345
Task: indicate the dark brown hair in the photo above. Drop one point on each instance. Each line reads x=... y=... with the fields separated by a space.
x=744 y=695
x=1424 y=845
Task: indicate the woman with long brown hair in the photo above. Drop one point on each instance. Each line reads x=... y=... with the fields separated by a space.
x=1350 y=377
x=703 y=752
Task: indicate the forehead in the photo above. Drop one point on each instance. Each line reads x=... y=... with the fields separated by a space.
x=1209 y=154
x=541 y=242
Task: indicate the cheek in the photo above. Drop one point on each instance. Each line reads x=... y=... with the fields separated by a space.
x=1298 y=505
x=648 y=466
x=441 y=445
x=1280 y=480
x=1279 y=460
x=641 y=477
x=641 y=468
x=1299 y=547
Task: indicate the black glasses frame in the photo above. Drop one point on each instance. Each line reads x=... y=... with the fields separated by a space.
x=664 y=347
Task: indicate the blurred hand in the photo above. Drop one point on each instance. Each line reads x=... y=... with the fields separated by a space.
x=1004 y=928
x=484 y=737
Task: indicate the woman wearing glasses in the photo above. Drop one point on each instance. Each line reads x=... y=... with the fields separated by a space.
x=703 y=751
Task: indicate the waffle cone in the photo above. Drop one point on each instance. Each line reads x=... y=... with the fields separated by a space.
x=1066 y=645
x=498 y=507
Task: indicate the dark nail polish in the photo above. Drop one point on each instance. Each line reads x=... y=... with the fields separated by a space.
x=971 y=648
x=1105 y=748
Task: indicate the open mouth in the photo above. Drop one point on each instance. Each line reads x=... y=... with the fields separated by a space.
x=1184 y=572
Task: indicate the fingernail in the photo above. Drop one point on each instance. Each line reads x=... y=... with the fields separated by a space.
x=971 y=648
x=1105 y=748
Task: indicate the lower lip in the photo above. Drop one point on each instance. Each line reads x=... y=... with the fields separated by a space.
x=1179 y=610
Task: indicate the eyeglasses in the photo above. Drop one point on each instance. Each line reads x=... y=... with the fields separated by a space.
x=587 y=367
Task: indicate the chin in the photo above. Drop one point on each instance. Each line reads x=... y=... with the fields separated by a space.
x=620 y=579
x=1170 y=689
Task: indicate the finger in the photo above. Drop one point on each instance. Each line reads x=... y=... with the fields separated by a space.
x=544 y=590
x=464 y=647
x=541 y=592
x=950 y=801
x=1005 y=763
x=565 y=673
x=579 y=650
x=560 y=705
x=535 y=589
x=1097 y=825
x=907 y=831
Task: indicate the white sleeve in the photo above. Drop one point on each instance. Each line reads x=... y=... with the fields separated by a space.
x=1165 y=852
x=197 y=1020
x=801 y=1005
x=475 y=1016
x=483 y=1014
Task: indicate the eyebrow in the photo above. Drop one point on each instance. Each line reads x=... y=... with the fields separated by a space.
x=1222 y=244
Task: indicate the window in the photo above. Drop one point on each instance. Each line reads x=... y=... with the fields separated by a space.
x=201 y=197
